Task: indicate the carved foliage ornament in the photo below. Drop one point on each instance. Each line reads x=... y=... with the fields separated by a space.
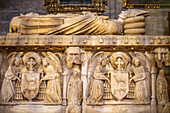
x=57 y=6
x=146 y=4
x=162 y=55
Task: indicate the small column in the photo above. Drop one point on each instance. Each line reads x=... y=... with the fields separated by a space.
x=153 y=97
x=84 y=79
x=64 y=90
x=84 y=103
x=153 y=78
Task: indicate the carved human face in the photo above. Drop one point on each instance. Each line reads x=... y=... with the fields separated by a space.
x=17 y=61
x=75 y=73
x=161 y=72
x=104 y=62
x=50 y=69
x=137 y=62
x=72 y=59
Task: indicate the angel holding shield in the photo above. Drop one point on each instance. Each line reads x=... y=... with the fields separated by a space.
x=96 y=88
x=15 y=67
x=52 y=70
x=140 y=78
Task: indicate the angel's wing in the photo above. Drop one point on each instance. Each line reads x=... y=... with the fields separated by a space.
x=93 y=63
x=10 y=58
x=132 y=54
x=7 y=62
x=151 y=59
x=55 y=62
x=144 y=60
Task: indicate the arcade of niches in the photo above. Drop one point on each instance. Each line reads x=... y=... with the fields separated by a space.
x=76 y=60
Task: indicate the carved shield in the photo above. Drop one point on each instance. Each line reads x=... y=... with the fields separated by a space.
x=30 y=85
x=119 y=84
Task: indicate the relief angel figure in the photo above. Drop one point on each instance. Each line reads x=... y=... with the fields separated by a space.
x=141 y=78
x=52 y=69
x=96 y=77
x=14 y=69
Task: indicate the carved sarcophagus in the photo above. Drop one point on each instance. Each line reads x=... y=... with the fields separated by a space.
x=79 y=63
x=58 y=74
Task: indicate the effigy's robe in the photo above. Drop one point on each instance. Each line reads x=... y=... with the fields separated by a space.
x=67 y=24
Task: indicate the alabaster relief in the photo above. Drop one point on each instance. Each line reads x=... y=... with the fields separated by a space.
x=124 y=78
x=161 y=56
x=74 y=91
x=57 y=78
x=141 y=79
x=12 y=75
x=119 y=75
x=162 y=88
x=31 y=77
x=53 y=70
x=96 y=77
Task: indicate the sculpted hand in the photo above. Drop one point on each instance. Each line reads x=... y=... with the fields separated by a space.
x=18 y=79
x=130 y=80
x=40 y=81
x=108 y=81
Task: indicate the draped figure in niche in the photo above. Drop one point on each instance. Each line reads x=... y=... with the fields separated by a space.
x=162 y=88
x=11 y=75
x=52 y=69
x=74 y=91
x=96 y=78
x=140 y=78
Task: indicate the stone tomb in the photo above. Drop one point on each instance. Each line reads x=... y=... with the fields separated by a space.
x=83 y=73
x=83 y=63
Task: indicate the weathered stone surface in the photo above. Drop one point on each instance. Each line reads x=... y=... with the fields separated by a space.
x=85 y=40
x=119 y=109
x=81 y=73
x=31 y=109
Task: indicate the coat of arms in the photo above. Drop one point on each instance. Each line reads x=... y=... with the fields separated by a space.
x=30 y=85
x=31 y=77
x=120 y=76
x=119 y=84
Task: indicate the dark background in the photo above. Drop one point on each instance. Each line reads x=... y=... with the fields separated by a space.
x=148 y=1
x=75 y=1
